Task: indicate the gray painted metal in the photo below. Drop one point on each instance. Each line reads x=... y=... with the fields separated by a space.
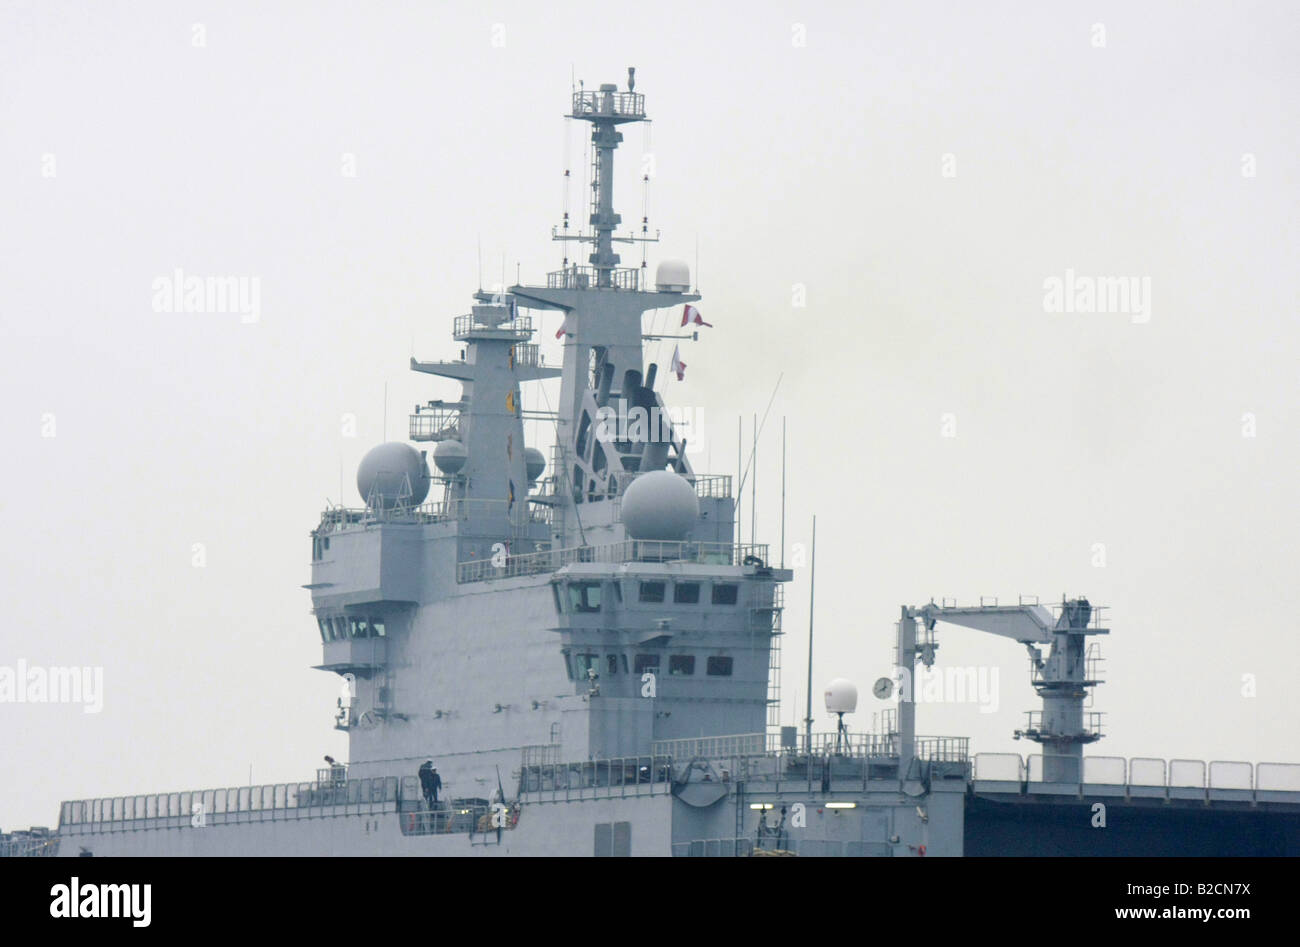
x=620 y=687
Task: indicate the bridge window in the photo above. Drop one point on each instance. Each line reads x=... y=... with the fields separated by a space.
x=584 y=662
x=681 y=664
x=647 y=662
x=611 y=663
x=725 y=594
x=652 y=591
x=584 y=596
x=559 y=605
x=719 y=667
x=568 y=666
x=377 y=627
x=326 y=633
x=686 y=593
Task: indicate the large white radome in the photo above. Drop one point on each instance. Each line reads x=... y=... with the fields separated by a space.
x=393 y=473
x=660 y=505
x=673 y=276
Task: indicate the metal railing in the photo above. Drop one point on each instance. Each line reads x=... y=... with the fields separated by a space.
x=1148 y=773
x=827 y=744
x=588 y=277
x=521 y=327
x=435 y=422
x=597 y=779
x=608 y=102
x=266 y=803
x=631 y=550
x=339 y=518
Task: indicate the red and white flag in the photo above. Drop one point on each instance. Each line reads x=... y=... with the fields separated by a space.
x=692 y=315
x=564 y=327
x=678 y=366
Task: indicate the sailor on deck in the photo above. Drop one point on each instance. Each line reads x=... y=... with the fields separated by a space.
x=430 y=783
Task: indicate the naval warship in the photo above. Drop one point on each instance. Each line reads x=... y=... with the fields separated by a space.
x=590 y=657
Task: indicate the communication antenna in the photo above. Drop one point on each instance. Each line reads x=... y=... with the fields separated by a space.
x=812 y=592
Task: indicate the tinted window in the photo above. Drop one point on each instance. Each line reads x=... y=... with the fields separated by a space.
x=647 y=662
x=719 y=667
x=652 y=591
x=611 y=662
x=681 y=664
x=686 y=593
x=582 y=662
x=725 y=594
x=584 y=596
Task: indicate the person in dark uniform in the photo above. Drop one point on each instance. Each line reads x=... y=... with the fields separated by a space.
x=436 y=783
x=426 y=783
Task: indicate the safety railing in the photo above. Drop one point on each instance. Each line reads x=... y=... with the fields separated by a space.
x=435 y=423
x=631 y=550
x=520 y=327
x=609 y=102
x=597 y=779
x=337 y=519
x=1141 y=775
x=266 y=803
x=588 y=277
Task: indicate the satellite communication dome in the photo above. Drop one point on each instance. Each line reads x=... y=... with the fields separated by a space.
x=841 y=697
x=673 y=276
x=450 y=456
x=393 y=473
x=660 y=505
x=534 y=463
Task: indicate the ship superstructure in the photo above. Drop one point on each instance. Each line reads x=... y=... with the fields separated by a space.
x=589 y=655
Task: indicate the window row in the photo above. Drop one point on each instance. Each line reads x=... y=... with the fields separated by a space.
x=343 y=627
x=588 y=596
x=679 y=665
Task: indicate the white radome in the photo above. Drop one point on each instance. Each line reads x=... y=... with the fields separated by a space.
x=841 y=697
x=534 y=463
x=393 y=473
x=660 y=505
x=450 y=456
x=673 y=276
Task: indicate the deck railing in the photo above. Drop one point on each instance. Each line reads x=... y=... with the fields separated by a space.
x=631 y=550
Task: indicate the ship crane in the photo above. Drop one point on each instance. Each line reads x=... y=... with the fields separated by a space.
x=1062 y=679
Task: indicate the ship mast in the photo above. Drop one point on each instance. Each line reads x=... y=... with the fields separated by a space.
x=606 y=109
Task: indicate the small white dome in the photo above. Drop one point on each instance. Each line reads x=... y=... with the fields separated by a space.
x=534 y=463
x=450 y=456
x=660 y=505
x=841 y=697
x=673 y=276
x=393 y=473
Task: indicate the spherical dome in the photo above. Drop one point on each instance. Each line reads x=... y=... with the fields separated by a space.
x=660 y=505
x=841 y=697
x=534 y=463
x=673 y=276
x=393 y=473
x=450 y=456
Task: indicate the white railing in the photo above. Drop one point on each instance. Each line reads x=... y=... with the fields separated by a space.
x=631 y=550
x=1144 y=772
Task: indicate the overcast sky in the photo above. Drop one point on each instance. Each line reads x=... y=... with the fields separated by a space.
x=918 y=172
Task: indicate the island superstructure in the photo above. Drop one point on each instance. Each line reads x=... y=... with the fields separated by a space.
x=591 y=657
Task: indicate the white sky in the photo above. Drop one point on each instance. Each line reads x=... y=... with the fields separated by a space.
x=817 y=165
